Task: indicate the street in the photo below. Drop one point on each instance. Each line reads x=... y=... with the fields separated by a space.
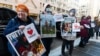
x=91 y=49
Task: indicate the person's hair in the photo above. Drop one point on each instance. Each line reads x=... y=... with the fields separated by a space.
x=49 y=7
x=82 y=17
x=88 y=17
x=96 y=18
x=23 y=7
x=73 y=11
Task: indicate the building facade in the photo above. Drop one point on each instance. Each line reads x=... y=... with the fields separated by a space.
x=33 y=5
x=90 y=7
x=36 y=6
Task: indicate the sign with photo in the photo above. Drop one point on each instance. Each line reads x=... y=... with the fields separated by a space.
x=66 y=28
x=48 y=26
x=22 y=47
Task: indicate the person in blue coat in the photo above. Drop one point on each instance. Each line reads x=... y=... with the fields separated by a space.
x=19 y=22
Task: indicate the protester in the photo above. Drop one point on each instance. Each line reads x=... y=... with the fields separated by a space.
x=90 y=30
x=68 y=41
x=97 y=26
x=19 y=22
x=84 y=34
x=47 y=41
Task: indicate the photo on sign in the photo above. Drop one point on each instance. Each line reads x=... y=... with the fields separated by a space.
x=48 y=26
x=66 y=28
x=22 y=47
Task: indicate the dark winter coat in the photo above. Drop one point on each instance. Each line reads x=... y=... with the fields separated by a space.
x=84 y=32
x=15 y=23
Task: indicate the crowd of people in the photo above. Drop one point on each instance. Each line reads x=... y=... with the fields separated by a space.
x=87 y=28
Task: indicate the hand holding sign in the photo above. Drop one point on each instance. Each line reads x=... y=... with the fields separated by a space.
x=21 y=27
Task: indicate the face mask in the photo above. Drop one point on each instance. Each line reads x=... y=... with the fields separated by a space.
x=71 y=13
x=48 y=10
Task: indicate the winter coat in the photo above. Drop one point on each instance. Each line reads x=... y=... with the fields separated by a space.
x=91 y=30
x=97 y=26
x=14 y=23
x=84 y=32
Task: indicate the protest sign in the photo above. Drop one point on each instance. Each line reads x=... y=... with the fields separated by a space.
x=22 y=46
x=67 y=28
x=30 y=32
x=47 y=26
x=58 y=17
x=76 y=27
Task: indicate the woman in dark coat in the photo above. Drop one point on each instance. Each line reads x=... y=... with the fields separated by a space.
x=84 y=32
x=90 y=30
x=19 y=22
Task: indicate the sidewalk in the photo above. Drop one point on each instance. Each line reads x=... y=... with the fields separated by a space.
x=56 y=51
x=91 y=49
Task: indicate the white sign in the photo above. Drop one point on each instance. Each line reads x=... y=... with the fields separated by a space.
x=31 y=33
x=76 y=27
x=92 y=25
x=58 y=17
x=86 y=25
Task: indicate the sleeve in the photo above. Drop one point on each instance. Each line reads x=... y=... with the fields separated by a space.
x=87 y=26
x=10 y=27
